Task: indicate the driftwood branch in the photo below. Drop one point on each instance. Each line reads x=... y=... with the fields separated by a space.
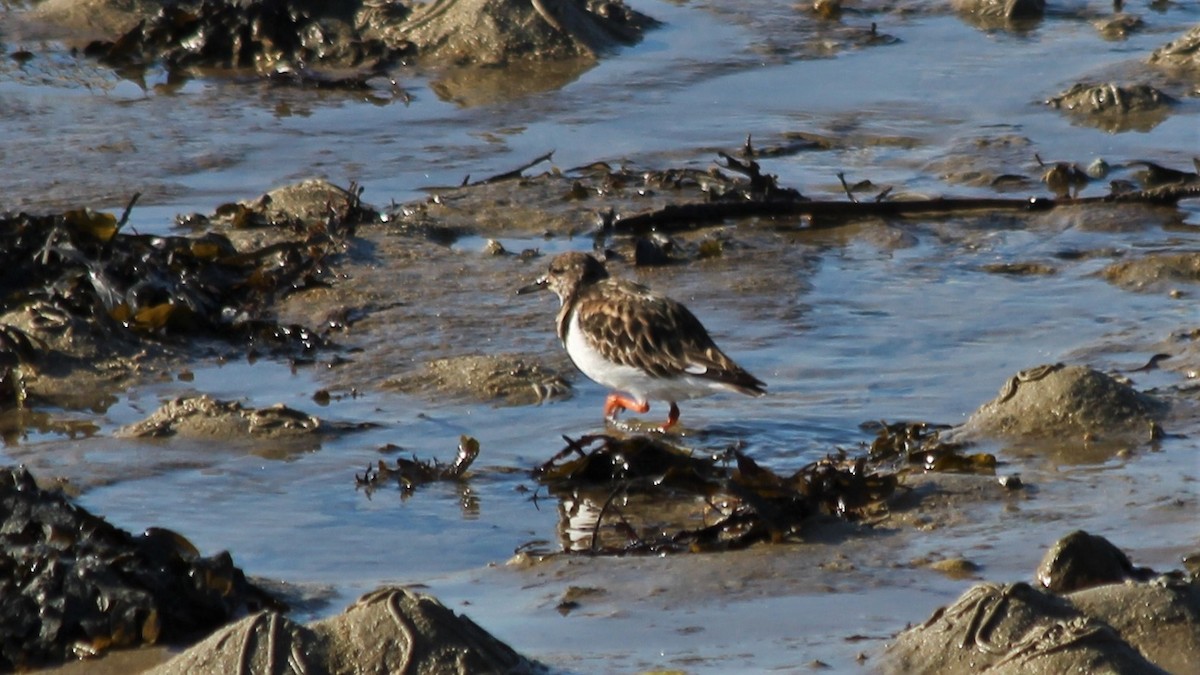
x=514 y=173
x=829 y=213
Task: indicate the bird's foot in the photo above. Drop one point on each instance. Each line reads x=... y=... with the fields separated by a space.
x=615 y=403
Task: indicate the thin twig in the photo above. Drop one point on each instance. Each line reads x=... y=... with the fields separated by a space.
x=516 y=173
x=842 y=177
x=128 y=207
x=600 y=517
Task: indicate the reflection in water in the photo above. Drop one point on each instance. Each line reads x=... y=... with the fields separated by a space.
x=1018 y=16
x=604 y=520
x=17 y=425
x=475 y=86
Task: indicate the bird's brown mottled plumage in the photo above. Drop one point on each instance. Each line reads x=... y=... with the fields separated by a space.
x=630 y=325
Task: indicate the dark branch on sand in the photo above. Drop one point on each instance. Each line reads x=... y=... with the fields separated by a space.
x=829 y=213
x=509 y=175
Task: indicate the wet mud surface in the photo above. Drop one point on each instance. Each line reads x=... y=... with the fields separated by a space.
x=227 y=351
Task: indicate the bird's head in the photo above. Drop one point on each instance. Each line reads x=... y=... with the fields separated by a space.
x=567 y=273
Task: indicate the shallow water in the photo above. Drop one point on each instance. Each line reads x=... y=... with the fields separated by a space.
x=871 y=321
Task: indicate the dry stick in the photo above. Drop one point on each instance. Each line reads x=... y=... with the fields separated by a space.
x=682 y=216
x=516 y=173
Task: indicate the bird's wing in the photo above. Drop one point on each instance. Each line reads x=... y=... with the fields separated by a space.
x=630 y=325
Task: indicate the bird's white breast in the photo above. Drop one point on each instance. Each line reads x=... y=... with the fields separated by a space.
x=631 y=380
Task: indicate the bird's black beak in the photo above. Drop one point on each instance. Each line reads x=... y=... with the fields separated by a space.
x=539 y=285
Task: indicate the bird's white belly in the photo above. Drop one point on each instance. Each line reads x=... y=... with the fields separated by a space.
x=631 y=380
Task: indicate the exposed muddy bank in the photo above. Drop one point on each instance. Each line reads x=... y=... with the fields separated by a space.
x=1097 y=611
x=1053 y=412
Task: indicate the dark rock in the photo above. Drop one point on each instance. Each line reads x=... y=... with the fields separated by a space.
x=1081 y=560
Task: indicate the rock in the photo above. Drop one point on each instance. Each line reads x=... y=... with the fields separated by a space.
x=1110 y=98
x=1097 y=169
x=1183 y=53
x=95 y=18
x=344 y=43
x=1119 y=26
x=1128 y=623
x=1000 y=14
x=955 y=568
x=310 y=201
x=1115 y=107
x=1010 y=629
x=270 y=36
x=1007 y=9
x=206 y=416
x=1081 y=560
x=1160 y=618
x=1021 y=269
x=1072 y=403
x=494 y=32
x=390 y=630
x=652 y=250
x=1156 y=271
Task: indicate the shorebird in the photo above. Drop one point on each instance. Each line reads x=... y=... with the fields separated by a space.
x=643 y=345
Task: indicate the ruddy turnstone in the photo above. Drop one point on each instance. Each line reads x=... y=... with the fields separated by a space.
x=633 y=340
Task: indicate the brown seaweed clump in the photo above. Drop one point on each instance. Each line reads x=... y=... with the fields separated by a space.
x=270 y=36
x=80 y=294
x=74 y=586
x=919 y=444
x=347 y=44
x=639 y=495
x=409 y=473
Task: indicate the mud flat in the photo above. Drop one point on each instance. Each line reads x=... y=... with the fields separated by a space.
x=263 y=294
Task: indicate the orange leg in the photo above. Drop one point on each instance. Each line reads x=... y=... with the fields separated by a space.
x=615 y=403
x=672 y=417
